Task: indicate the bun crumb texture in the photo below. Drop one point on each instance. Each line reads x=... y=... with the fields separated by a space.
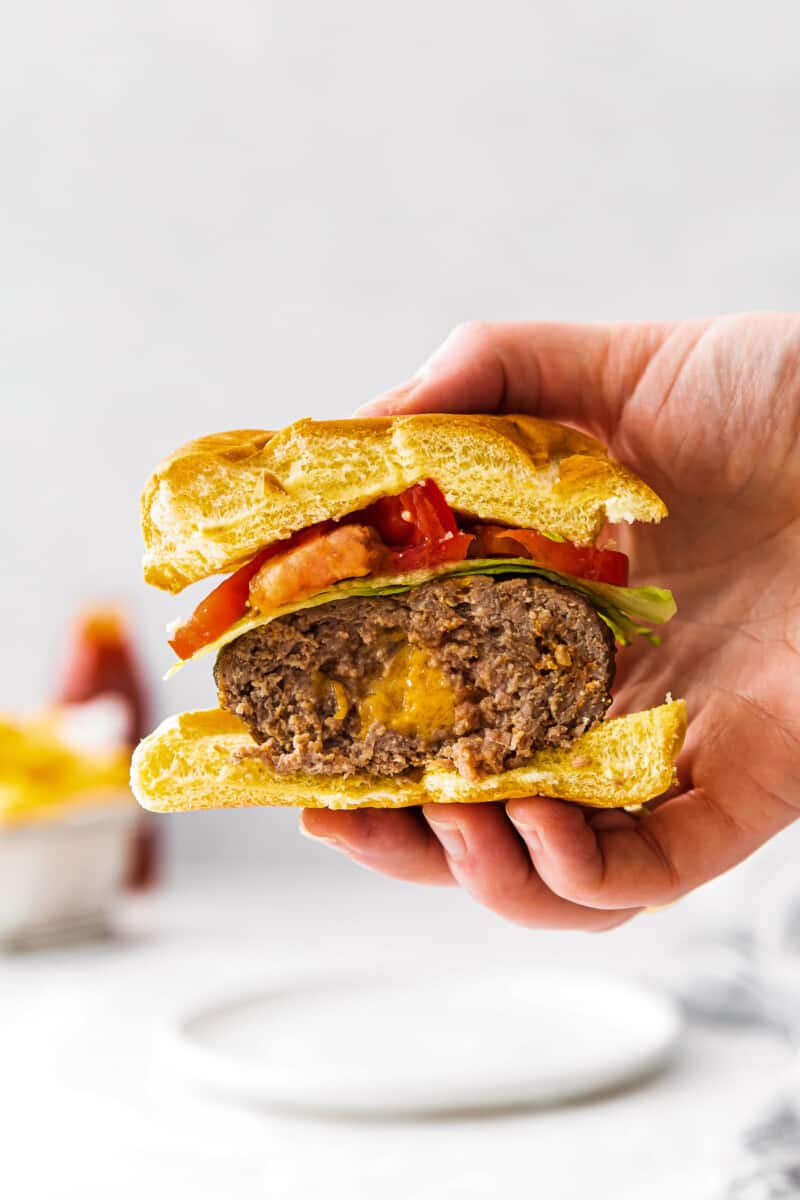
x=211 y=505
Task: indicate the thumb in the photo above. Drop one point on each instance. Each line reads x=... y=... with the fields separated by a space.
x=577 y=373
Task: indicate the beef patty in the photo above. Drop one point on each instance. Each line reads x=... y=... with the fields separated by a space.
x=475 y=670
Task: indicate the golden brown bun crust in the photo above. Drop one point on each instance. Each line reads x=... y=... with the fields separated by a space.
x=215 y=502
x=190 y=762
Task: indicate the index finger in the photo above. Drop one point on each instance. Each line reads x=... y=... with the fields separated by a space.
x=684 y=843
x=578 y=373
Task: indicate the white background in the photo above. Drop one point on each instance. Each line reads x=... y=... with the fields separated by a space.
x=234 y=215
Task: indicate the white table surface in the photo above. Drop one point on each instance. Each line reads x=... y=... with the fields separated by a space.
x=88 y=1107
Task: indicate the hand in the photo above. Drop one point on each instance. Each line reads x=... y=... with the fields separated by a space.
x=709 y=414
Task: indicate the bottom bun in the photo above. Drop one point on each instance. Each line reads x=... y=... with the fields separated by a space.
x=191 y=762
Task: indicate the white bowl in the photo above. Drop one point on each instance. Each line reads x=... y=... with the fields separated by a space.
x=58 y=876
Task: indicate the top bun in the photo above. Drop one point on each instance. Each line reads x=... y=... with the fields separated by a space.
x=213 y=504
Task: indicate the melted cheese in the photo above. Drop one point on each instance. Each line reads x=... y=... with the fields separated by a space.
x=411 y=697
x=325 y=688
x=342 y=703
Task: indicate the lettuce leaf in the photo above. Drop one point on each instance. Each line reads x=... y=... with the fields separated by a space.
x=628 y=612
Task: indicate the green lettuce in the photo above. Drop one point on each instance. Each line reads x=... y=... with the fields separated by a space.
x=628 y=612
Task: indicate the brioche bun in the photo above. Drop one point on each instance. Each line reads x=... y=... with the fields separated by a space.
x=194 y=760
x=211 y=505
x=214 y=503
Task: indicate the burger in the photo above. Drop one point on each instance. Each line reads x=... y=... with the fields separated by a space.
x=414 y=609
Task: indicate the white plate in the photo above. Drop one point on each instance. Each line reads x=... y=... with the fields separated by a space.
x=426 y=1042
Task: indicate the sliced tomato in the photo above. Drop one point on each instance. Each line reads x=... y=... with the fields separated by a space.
x=418 y=527
x=392 y=518
x=419 y=530
x=433 y=516
x=417 y=516
x=453 y=547
x=225 y=605
x=228 y=601
x=584 y=562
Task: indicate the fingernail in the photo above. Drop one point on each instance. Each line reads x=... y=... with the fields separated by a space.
x=451 y=838
x=528 y=834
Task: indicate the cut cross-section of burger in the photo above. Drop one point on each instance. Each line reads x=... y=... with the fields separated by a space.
x=413 y=609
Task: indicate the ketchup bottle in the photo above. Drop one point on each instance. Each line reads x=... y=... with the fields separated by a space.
x=100 y=662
